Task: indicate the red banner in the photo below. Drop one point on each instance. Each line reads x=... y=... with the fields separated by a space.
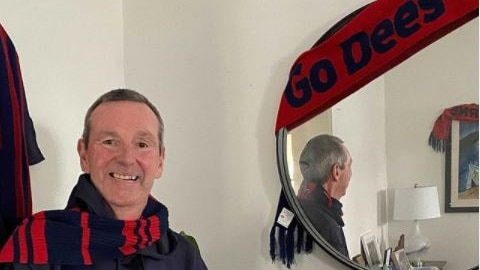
x=372 y=41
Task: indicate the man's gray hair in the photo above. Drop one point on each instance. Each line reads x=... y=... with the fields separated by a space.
x=121 y=95
x=318 y=157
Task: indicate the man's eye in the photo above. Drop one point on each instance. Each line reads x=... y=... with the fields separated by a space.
x=108 y=142
x=143 y=145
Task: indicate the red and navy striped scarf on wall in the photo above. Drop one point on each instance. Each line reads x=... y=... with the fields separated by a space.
x=18 y=146
x=440 y=134
x=71 y=237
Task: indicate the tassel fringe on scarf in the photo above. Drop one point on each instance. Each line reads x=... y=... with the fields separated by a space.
x=286 y=241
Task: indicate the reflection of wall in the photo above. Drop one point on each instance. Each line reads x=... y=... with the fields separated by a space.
x=360 y=121
x=442 y=75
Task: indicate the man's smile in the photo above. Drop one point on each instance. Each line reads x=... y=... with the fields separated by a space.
x=124 y=176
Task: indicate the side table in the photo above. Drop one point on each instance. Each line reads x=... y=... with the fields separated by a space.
x=438 y=264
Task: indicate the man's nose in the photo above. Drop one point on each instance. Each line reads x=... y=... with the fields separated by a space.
x=126 y=155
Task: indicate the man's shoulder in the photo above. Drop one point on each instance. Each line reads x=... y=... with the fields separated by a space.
x=183 y=241
x=185 y=249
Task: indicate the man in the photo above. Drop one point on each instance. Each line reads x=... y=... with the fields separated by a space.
x=111 y=220
x=326 y=167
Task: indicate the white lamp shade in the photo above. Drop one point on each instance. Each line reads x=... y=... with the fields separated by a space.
x=416 y=203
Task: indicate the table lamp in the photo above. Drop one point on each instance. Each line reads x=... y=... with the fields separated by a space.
x=414 y=204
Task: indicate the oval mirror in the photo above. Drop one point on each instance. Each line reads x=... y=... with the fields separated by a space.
x=347 y=58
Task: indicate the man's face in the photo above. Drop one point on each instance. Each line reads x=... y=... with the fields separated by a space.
x=123 y=156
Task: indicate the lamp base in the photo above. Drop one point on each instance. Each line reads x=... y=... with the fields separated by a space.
x=416 y=245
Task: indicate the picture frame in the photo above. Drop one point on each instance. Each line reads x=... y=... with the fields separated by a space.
x=387 y=255
x=371 y=249
x=400 y=260
x=360 y=260
x=461 y=168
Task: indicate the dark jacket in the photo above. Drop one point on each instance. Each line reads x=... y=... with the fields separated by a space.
x=326 y=216
x=4 y=233
x=171 y=252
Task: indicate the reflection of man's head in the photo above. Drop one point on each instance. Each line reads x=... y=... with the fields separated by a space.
x=324 y=158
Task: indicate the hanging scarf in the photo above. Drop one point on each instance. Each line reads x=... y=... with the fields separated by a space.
x=18 y=145
x=71 y=237
x=289 y=240
x=441 y=130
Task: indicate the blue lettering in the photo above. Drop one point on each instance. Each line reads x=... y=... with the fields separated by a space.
x=352 y=64
x=302 y=93
x=315 y=75
x=436 y=6
x=404 y=17
x=380 y=37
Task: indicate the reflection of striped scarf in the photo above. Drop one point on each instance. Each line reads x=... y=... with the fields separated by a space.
x=441 y=130
x=72 y=237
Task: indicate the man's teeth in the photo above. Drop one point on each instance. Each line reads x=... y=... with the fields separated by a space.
x=124 y=177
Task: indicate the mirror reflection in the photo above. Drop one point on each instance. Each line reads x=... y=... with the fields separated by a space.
x=385 y=126
x=326 y=168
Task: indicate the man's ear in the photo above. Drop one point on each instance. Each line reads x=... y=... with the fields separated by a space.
x=336 y=170
x=82 y=153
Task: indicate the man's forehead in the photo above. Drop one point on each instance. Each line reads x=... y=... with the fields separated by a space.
x=112 y=115
x=123 y=108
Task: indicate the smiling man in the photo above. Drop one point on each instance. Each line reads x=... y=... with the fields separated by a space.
x=111 y=221
x=122 y=154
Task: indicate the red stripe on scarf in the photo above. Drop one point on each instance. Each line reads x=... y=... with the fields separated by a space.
x=7 y=251
x=85 y=238
x=40 y=251
x=22 y=244
x=130 y=237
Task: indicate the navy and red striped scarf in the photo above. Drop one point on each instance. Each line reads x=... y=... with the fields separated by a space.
x=18 y=144
x=73 y=237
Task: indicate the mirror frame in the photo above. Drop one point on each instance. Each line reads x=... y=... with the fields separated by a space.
x=346 y=69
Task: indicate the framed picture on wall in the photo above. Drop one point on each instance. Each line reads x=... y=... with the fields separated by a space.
x=461 y=168
x=370 y=249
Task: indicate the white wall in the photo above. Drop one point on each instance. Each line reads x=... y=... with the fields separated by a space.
x=216 y=70
x=70 y=52
x=442 y=75
x=360 y=121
